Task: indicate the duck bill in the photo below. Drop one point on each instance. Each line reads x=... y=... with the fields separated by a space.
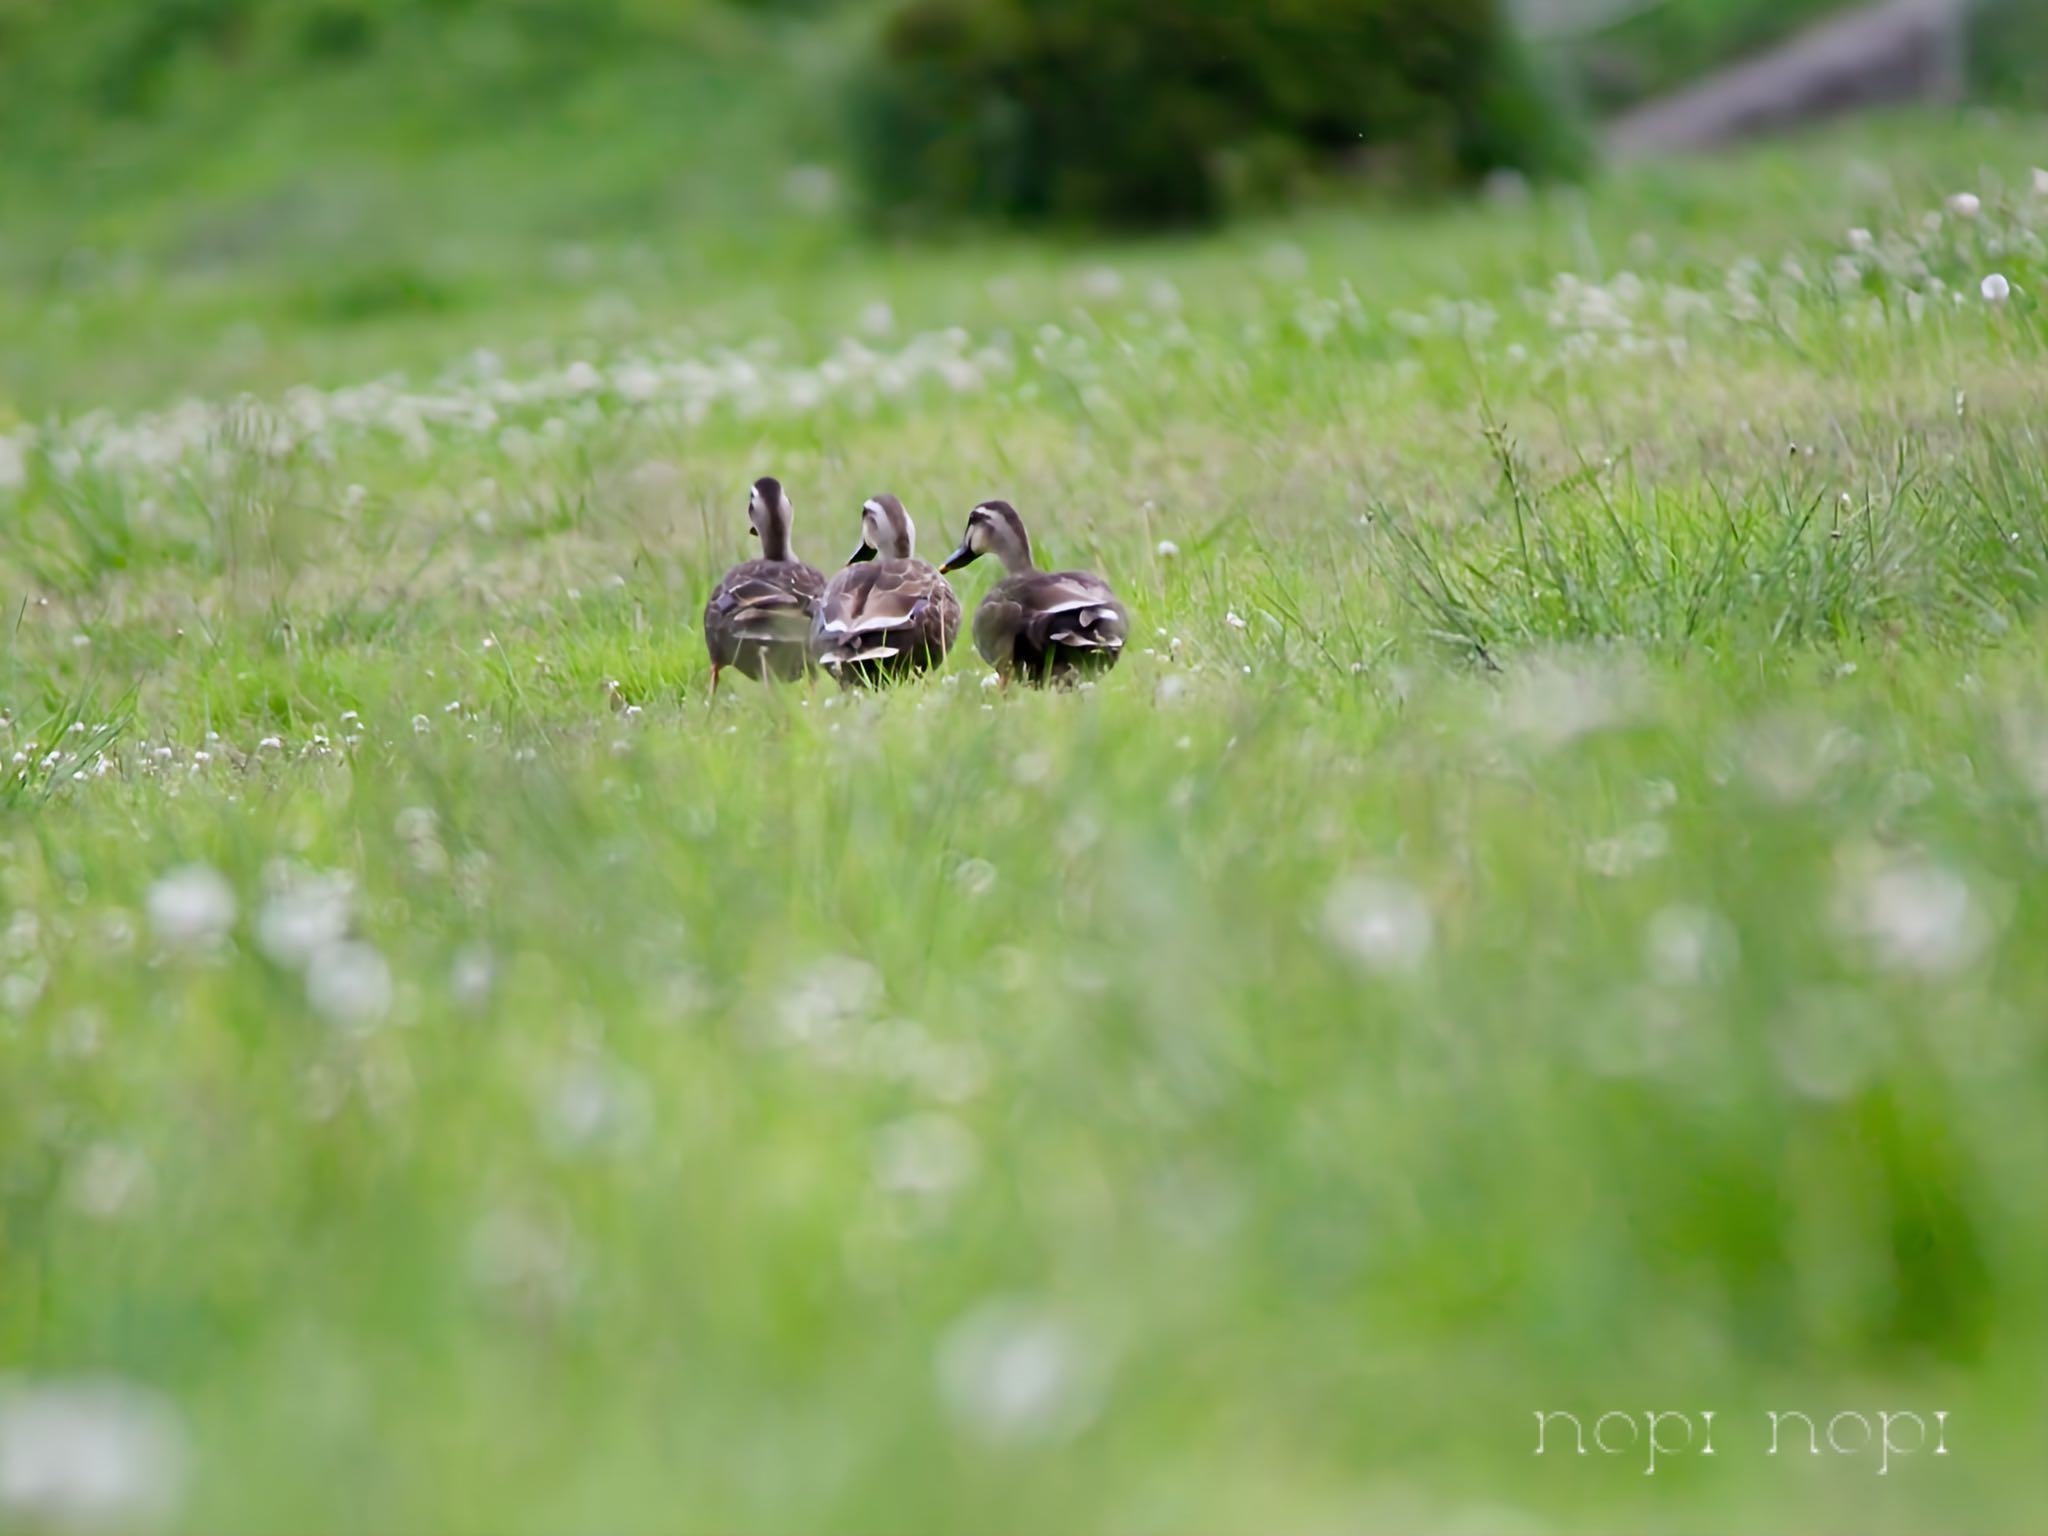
x=865 y=552
x=961 y=556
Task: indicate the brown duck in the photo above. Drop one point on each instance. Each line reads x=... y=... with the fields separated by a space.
x=1046 y=626
x=759 y=616
x=888 y=615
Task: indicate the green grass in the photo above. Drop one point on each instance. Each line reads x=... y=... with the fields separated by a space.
x=1548 y=914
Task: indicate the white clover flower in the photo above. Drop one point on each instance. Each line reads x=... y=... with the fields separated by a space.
x=88 y=1453
x=1966 y=205
x=1913 y=915
x=1628 y=851
x=2040 y=182
x=1233 y=620
x=878 y=319
x=828 y=999
x=308 y=913
x=1382 y=923
x=582 y=378
x=1688 y=946
x=349 y=984
x=593 y=1105
x=1168 y=550
x=20 y=989
x=1995 y=288
x=107 y=1180
x=1861 y=240
x=1790 y=757
x=1101 y=284
x=925 y=1154
x=1012 y=1371
x=13 y=463
x=191 y=907
x=636 y=382
x=473 y=974
x=524 y=1260
x=1556 y=698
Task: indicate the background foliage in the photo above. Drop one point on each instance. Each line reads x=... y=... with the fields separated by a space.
x=1139 y=112
x=1123 y=113
x=2009 y=51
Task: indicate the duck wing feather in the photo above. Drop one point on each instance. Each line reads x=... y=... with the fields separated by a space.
x=885 y=608
x=768 y=602
x=1027 y=621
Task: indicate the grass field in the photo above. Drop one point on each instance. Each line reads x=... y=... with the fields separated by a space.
x=1548 y=915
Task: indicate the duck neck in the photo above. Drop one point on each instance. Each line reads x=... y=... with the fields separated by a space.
x=1016 y=556
x=775 y=541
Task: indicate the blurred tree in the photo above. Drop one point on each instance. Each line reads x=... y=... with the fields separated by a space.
x=1144 y=112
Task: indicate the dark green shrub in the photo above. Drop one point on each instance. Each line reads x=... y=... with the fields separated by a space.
x=140 y=42
x=1137 y=112
x=337 y=30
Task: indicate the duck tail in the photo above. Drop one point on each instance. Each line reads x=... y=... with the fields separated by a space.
x=1090 y=629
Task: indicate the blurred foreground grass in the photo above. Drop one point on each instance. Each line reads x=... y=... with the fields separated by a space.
x=1547 y=916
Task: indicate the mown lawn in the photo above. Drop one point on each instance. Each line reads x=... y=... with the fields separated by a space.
x=1548 y=915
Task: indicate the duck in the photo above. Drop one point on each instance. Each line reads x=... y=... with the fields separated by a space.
x=888 y=615
x=759 y=617
x=1058 y=627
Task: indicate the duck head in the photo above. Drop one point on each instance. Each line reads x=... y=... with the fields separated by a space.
x=886 y=531
x=993 y=528
x=769 y=516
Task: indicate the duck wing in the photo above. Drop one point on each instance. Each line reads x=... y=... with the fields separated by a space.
x=766 y=601
x=1025 y=620
x=884 y=608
